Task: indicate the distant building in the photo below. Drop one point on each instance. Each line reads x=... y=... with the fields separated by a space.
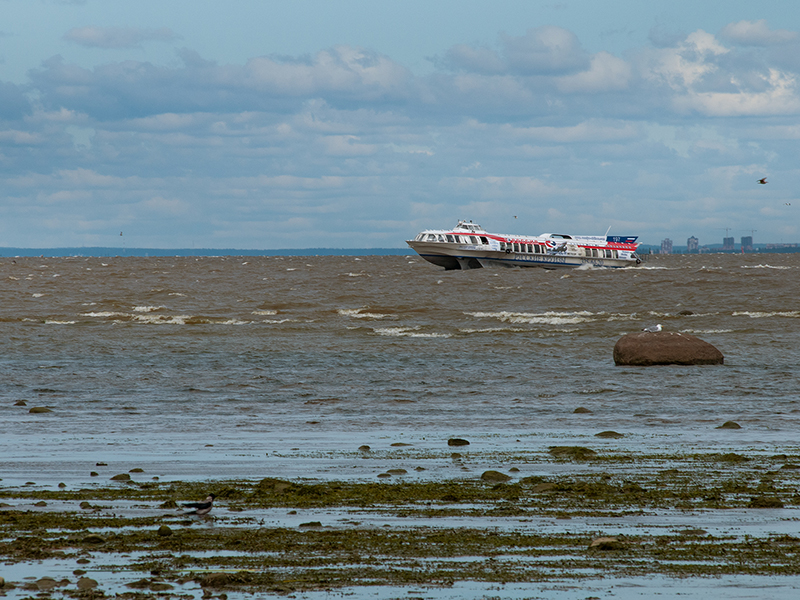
x=666 y=246
x=747 y=243
x=728 y=244
x=692 y=245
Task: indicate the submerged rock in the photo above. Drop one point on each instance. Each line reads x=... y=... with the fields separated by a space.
x=606 y=543
x=573 y=452
x=609 y=434
x=730 y=425
x=581 y=410
x=457 y=442
x=121 y=477
x=645 y=349
x=495 y=476
x=164 y=531
x=39 y=409
x=86 y=583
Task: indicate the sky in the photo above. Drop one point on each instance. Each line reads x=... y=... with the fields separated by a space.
x=255 y=124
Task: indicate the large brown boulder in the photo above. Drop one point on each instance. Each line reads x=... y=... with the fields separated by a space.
x=664 y=348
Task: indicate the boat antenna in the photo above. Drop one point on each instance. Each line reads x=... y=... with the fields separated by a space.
x=607 y=230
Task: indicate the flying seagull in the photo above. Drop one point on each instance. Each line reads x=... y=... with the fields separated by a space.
x=201 y=508
x=763 y=181
x=652 y=328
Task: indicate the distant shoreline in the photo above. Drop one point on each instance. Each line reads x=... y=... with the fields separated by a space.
x=146 y=252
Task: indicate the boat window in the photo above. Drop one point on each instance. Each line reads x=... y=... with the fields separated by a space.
x=474 y=239
x=616 y=254
x=530 y=248
x=449 y=238
x=516 y=246
x=484 y=240
x=608 y=253
x=441 y=237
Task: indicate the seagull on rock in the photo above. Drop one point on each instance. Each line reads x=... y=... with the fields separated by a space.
x=652 y=328
x=201 y=508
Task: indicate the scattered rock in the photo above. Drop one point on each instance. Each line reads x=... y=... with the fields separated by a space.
x=39 y=409
x=79 y=572
x=609 y=434
x=94 y=474
x=685 y=313
x=419 y=468
x=606 y=544
x=93 y=538
x=62 y=485
x=457 y=442
x=168 y=504
x=20 y=403
x=83 y=561
x=645 y=349
x=495 y=476
x=732 y=457
x=765 y=502
x=384 y=475
x=455 y=456
x=311 y=524
x=397 y=471
x=581 y=410
x=160 y=586
x=45 y=584
x=40 y=503
x=86 y=505
x=136 y=470
x=86 y=583
x=364 y=448
x=121 y=477
x=543 y=487
x=572 y=452
x=164 y=531
x=730 y=425
x=400 y=444
x=513 y=470
x=101 y=464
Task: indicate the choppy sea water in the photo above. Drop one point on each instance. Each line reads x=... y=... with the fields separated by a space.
x=248 y=367
x=231 y=367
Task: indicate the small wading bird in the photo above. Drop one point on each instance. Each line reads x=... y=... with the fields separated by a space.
x=201 y=508
x=652 y=328
x=763 y=181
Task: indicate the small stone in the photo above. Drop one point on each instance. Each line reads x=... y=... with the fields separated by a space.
x=311 y=524
x=384 y=475
x=495 y=476
x=573 y=452
x=606 y=543
x=86 y=583
x=765 y=502
x=83 y=561
x=364 y=448
x=85 y=505
x=169 y=504
x=121 y=477
x=457 y=442
x=685 y=313
x=94 y=474
x=78 y=572
x=543 y=487
x=62 y=485
x=136 y=470
x=39 y=409
x=45 y=584
x=20 y=403
x=581 y=410
x=609 y=434
x=93 y=538
x=41 y=503
x=101 y=465
x=730 y=425
x=455 y=456
x=397 y=471
x=400 y=444
x=513 y=470
x=419 y=468
x=164 y=531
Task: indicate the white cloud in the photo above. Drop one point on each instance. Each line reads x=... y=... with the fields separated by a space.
x=545 y=50
x=606 y=73
x=118 y=37
x=756 y=33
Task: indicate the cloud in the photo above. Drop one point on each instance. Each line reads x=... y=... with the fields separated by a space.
x=545 y=50
x=118 y=37
x=606 y=73
x=756 y=33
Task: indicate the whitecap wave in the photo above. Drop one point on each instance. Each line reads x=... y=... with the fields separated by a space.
x=792 y=314
x=408 y=332
x=764 y=267
x=357 y=313
x=546 y=318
